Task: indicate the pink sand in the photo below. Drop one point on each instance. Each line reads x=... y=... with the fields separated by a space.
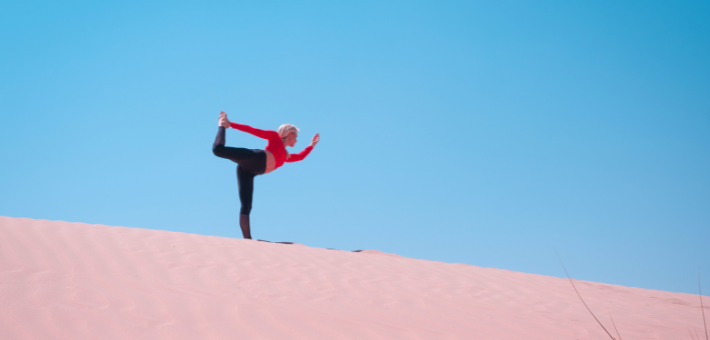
x=61 y=280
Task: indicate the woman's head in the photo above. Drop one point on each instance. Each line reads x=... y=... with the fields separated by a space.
x=288 y=133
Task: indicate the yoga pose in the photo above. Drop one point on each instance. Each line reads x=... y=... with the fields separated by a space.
x=253 y=162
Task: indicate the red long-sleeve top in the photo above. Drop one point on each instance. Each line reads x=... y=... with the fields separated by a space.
x=275 y=145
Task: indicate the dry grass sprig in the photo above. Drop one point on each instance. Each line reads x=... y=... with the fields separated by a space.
x=612 y=322
x=700 y=295
x=702 y=309
x=580 y=297
x=691 y=334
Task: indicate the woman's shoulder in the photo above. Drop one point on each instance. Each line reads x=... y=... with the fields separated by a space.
x=273 y=134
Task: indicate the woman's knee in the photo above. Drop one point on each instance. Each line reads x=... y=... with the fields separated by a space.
x=218 y=150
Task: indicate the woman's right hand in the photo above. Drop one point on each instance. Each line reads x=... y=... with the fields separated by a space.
x=223 y=120
x=315 y=140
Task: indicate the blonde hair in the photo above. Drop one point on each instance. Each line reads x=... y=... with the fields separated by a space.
x=285 y=129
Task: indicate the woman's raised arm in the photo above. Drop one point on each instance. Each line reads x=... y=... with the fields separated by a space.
x=266 y=134
x=295 y=157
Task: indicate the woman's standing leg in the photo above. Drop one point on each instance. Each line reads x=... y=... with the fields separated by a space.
x=250 y=163
x=245 y=179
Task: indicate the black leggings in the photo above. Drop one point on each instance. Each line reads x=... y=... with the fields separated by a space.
x=250 y=163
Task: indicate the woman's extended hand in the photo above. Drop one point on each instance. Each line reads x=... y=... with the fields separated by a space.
x=223 y=121
x=315 y=139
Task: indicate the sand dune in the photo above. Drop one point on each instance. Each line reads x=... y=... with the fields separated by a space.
x=61 y=280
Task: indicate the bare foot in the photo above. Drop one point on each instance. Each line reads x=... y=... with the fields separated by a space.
x=223 y=121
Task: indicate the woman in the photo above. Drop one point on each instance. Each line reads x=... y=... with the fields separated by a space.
x=253 y=162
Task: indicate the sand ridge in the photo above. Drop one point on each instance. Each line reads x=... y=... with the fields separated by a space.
x=61 y=280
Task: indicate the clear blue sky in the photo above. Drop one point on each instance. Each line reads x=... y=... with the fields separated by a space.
x=481 y=132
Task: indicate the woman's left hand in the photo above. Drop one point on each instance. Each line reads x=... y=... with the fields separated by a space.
x=315 y=139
